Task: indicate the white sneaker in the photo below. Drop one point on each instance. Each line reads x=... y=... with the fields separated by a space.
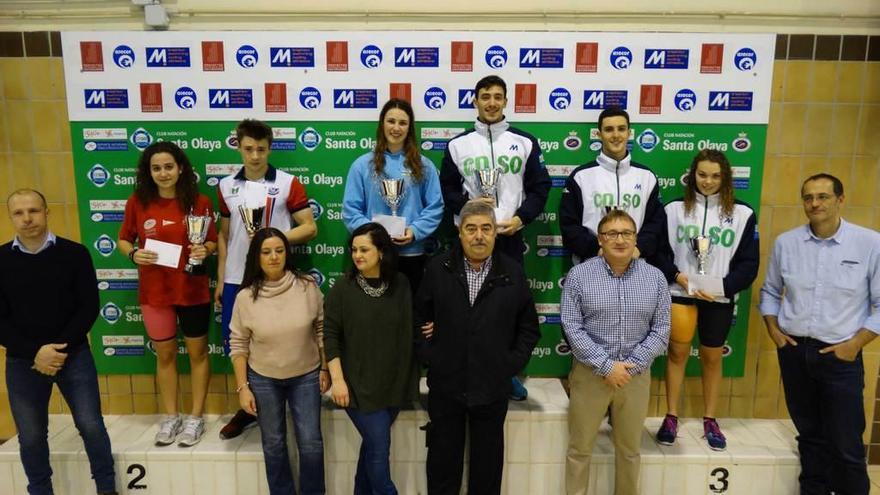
x=193 y=429
x=168 y=430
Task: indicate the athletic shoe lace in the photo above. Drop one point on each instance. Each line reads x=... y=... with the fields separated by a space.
x=166 y=428
x=711 y=428
x=670 y=424
x=191 y=427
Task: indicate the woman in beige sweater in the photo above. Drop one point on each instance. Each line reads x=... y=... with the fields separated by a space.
x=276 y=347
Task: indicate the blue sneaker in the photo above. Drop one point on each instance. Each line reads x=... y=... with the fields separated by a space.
x=668 y=430
x=713 y=434
x=518 y=391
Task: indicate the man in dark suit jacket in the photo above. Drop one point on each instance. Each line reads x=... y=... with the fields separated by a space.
x=485 y=327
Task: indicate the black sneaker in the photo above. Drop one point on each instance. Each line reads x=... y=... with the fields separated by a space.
x=668 y=430
x=714 y=437
x=240 y=422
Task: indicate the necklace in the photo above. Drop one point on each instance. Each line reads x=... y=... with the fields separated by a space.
x=370 y=290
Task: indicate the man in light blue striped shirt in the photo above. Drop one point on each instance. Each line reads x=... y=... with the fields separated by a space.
x=615 y=314
x=822 y=284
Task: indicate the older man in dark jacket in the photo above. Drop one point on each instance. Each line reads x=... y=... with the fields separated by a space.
x=485 y=327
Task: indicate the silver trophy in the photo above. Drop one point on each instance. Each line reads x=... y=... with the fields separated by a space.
x=609 y=209
x=196 y=232
x=487 y=181
x=701 y=246
x=252 y=218
x=392 y=193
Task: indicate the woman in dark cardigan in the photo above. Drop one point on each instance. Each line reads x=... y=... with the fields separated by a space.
x=368 y=340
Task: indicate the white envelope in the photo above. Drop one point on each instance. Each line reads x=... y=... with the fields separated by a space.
x=169 y=254
x=707 y=283
x=502 y=215
x=254 y=194
x=396 y=226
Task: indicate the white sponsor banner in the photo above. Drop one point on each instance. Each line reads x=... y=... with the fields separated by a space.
x=347 y=76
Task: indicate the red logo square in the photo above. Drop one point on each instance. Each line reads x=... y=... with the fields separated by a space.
x=526 y=98
x=276 y=97
x=462 y=56
x=586 y=56
x=401 y=90
x=652 y=97
x=712 y=58
x=212 y=56
x=151 y=97
x=337 y=56
x=92 y=56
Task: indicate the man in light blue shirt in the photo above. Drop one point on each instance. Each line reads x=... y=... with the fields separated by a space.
x=822 y=283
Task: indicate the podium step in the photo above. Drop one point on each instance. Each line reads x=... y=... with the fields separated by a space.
x=761 y=456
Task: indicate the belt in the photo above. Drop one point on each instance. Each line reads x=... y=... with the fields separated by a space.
x=809 y=341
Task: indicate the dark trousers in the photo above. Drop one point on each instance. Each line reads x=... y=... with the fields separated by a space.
x=414 y=269
x=29 y=393
x=824 y=398
x=446 y=439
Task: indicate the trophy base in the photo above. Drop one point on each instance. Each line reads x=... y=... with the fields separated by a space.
x=196 y=269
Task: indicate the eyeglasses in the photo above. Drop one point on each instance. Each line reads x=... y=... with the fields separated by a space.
x=822 y=198
x=611 y=235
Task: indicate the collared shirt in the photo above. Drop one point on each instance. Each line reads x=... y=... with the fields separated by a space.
x=50 y=241
x=609 y=318
x=284 y=196
x=475 y=278
x=823 y=288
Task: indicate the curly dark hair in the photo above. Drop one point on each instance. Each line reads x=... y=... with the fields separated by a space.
x=725 y=192
x=146 y=190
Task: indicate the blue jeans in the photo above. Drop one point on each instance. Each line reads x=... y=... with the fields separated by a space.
x=303 y=396
x=227 y=301
x=373 y=475
x=824 y=398
x=29 y=393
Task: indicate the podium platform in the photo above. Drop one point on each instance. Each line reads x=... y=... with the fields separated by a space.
x=761 y=456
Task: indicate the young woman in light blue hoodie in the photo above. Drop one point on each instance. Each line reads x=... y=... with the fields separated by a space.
x=396 y=156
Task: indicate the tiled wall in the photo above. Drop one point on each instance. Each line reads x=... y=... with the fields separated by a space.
x=825 y=116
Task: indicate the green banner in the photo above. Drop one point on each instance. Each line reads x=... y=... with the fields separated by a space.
x=319 y=154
